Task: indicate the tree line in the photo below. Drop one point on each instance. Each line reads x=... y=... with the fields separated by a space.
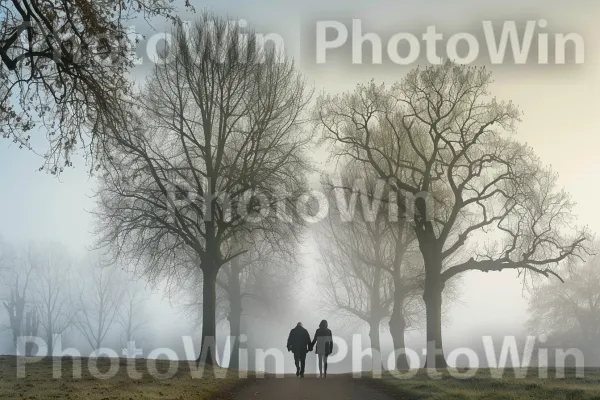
x=46 y=292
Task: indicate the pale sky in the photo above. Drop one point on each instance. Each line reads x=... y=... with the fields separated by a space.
x=559 y=104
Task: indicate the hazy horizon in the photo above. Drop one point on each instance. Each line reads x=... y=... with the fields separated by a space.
x=559 y=105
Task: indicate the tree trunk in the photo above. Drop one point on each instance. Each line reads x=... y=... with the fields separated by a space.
x=397 y=330
x=15 y=341
x=209 y=323
x=374 y=335
x=433 y=307
x=235 y=313
x=375 y=310
x=31 y=329
x=50 y=330
x=50 y=338
x=397 y=321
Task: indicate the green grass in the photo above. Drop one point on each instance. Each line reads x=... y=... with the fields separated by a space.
x=39 y=383
x=483 y=386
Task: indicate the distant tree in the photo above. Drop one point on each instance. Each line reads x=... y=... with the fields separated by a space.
x=18 y=272
x=569 y=311
x=259 y=283
x=98 y=301
x=132 y=315
x=252 y=281
x=63 y=65
x=440 y=141
x=363 y=255
x=30 y=331
x=53 y=293
x=206 y=155
x=350 y=286
x=6 y=254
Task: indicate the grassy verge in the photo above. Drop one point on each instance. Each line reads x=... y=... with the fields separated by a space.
x=484 y=386
x=39 y=383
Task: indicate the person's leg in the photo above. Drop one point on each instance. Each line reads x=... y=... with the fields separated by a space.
x=320 y=365
x=325 y=365
x=302 y=364
x=297 y=362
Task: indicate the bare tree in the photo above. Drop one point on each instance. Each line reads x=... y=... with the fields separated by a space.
x=53 y=292
x=369 y=273
x=132 y=315
x=571 y=310
x=63 y=65
x=253 y=280
x=98 y=302
x=351 y=287
x=439 y=140
x=18 y=270
x=6 y=254
x=257 y=283
x=214 y=142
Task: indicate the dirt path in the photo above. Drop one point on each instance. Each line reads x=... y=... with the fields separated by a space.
x=309 y=388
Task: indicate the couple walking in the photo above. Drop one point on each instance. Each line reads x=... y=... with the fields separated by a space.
x=300 y=344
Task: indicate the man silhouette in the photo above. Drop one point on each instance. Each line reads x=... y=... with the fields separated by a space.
x=298 y=343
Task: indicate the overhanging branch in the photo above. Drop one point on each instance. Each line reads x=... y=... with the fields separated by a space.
x=495 y=266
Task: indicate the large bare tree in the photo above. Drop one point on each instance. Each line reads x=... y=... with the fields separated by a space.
x=214 y=150
x=440 y=141
x=63 y=65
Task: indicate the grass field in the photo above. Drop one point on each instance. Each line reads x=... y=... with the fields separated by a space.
x=483 y=386
x=39 y=383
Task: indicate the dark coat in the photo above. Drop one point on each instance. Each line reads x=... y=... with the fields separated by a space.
x=324 y=341
x=299 y=340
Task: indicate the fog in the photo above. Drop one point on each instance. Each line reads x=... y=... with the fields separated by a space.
x=48 y=218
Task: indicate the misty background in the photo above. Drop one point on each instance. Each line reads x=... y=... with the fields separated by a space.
x=45 y=214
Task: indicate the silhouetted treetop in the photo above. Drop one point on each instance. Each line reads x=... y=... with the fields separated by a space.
x=63 y=64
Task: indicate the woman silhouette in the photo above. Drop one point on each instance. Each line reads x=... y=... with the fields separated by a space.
x=324 y=340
